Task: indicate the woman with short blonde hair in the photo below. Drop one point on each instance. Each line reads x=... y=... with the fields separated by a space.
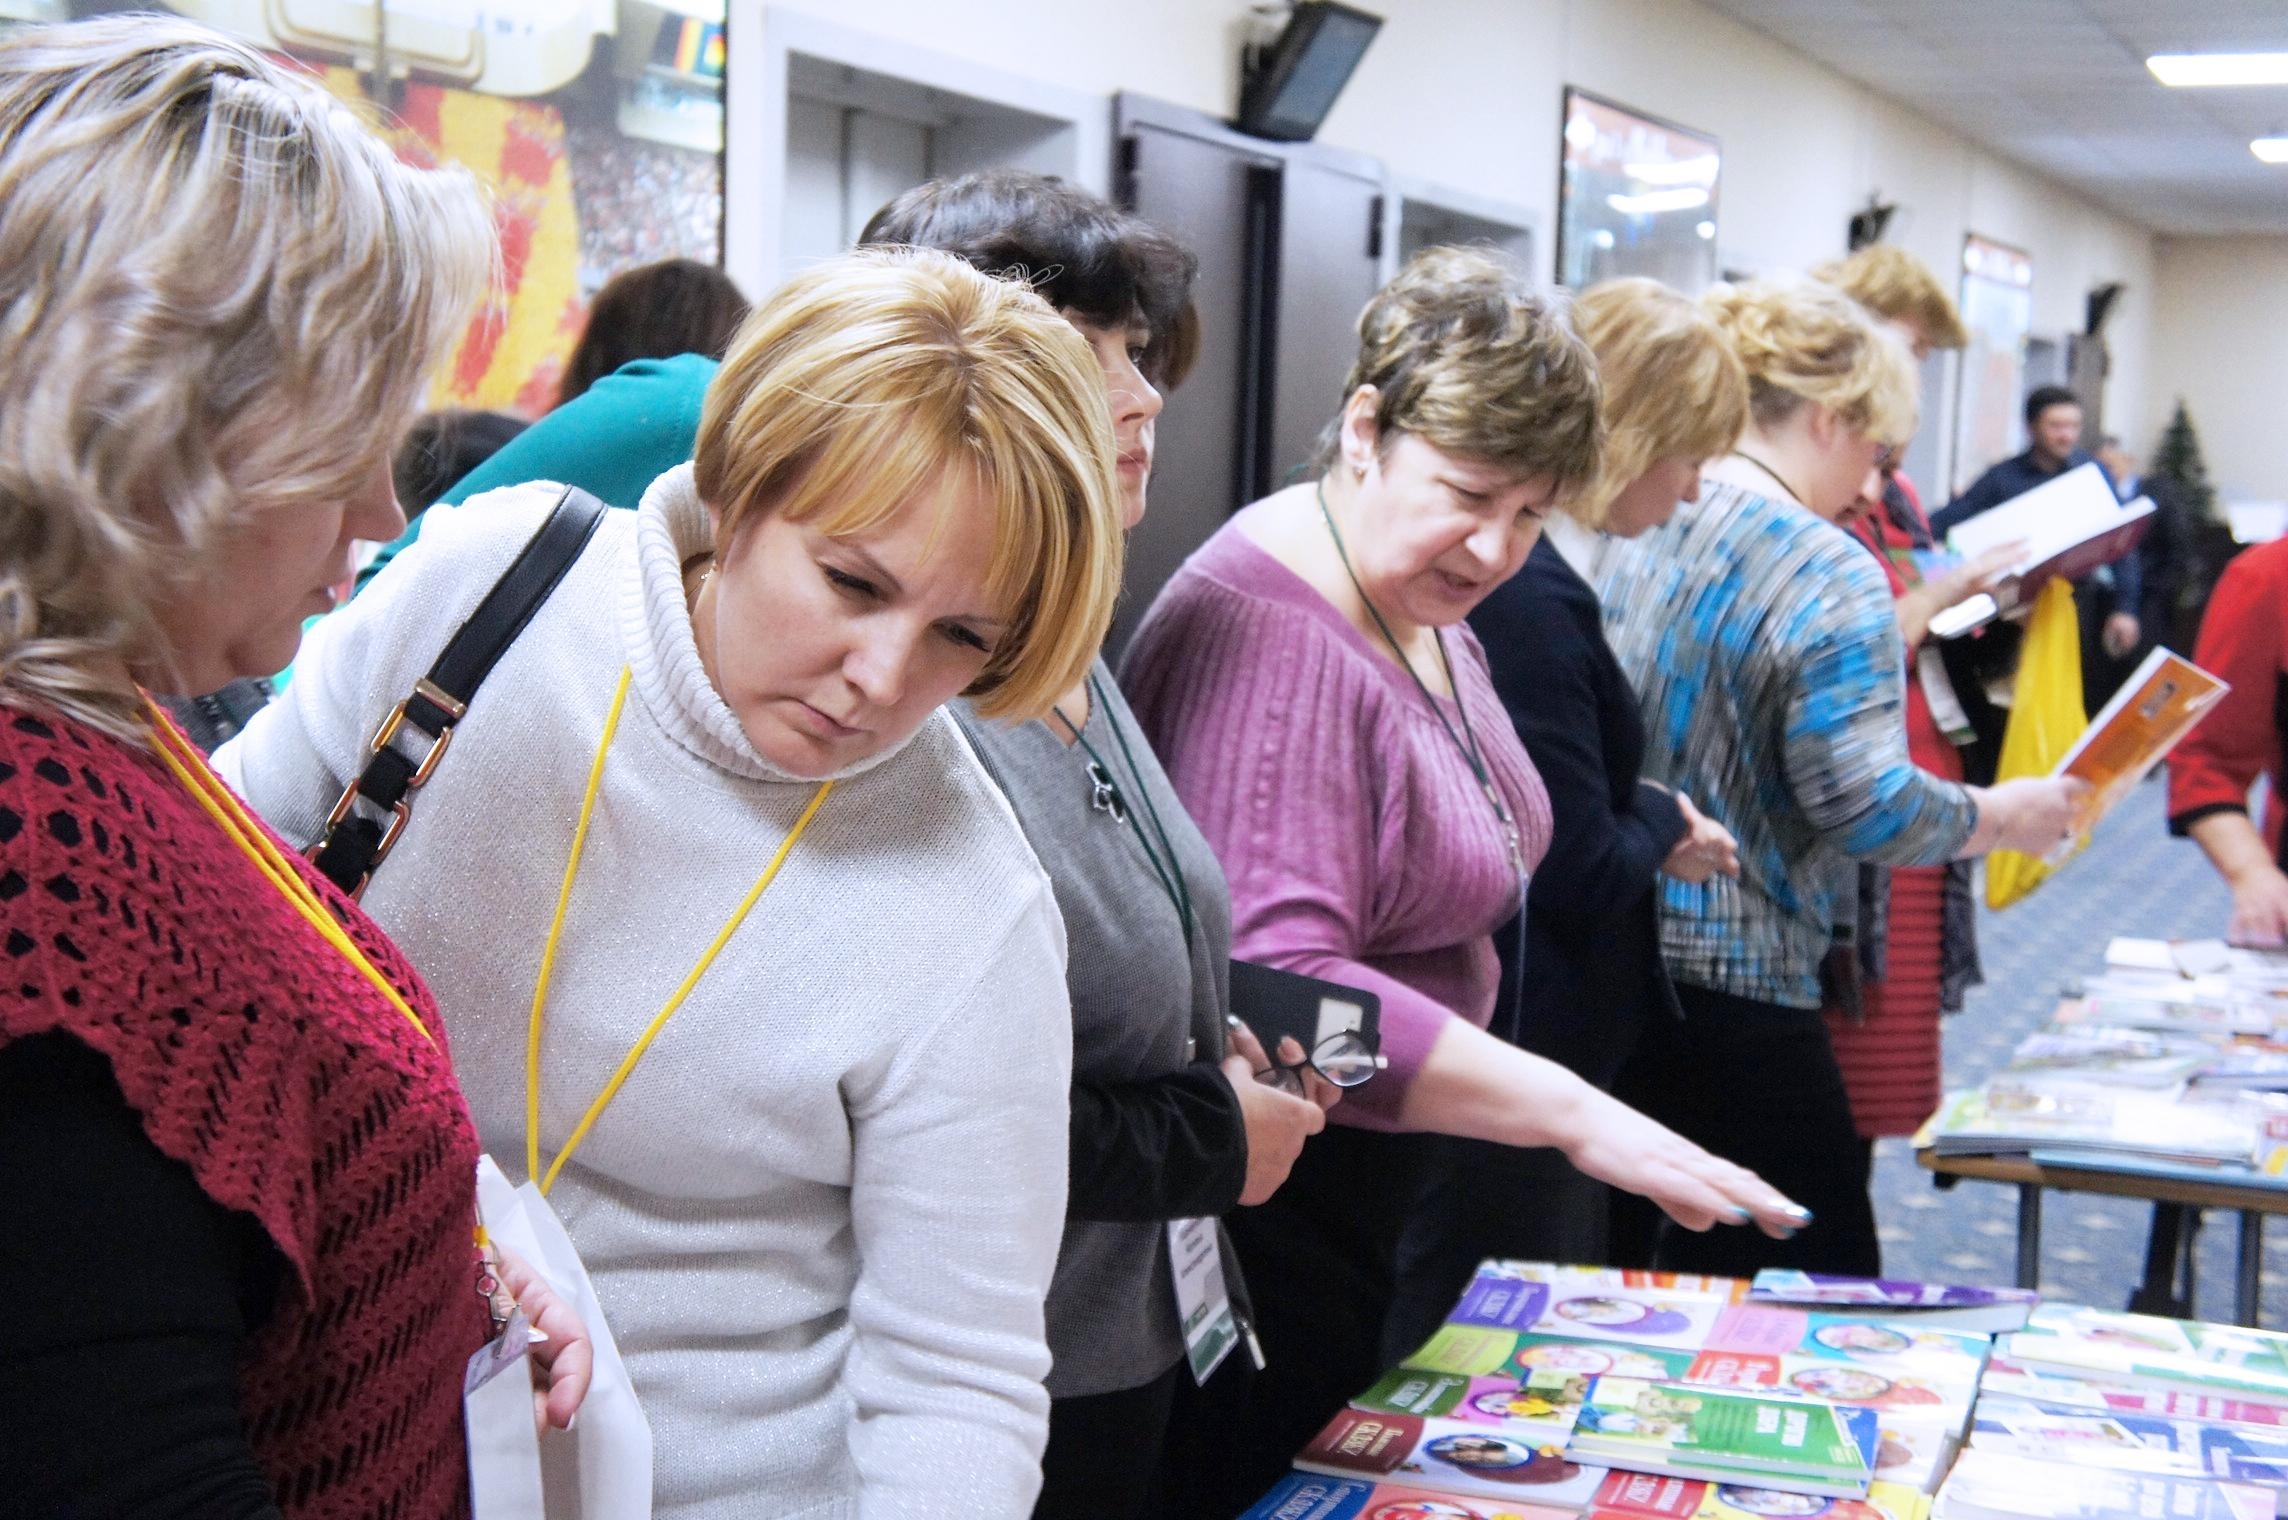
x=232 y=1152
x=822 y=1207
x=1675 y=397
x=1334 y=731
x=1586 y=973
x=1898 y=288
x=1769 y=672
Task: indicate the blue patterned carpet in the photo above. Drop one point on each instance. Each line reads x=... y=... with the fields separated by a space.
x=2134 y=879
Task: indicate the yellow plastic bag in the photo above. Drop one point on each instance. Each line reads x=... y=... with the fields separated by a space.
x=2046 y=717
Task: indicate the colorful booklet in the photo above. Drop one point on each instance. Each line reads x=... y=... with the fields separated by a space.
x=1450 y=1455
x=2157 y=706
x=2136 y=1442
x=1538 y=1405
x=1648 y=1496
x=2112 y=1056
x=2064 y=1391
x=1727 y=1436
x=1990 y=1485
x=1937 y=1305
x=2144 y=1351
x=2008 y=1116
x=1310 y=1496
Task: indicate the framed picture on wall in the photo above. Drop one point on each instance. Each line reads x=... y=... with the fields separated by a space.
x=1998 y=308
x=1636 y=196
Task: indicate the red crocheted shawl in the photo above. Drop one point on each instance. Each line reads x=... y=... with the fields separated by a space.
x=262 y=1060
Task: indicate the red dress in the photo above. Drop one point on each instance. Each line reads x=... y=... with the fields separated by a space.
x=1890 y=1057
x=260 y=1058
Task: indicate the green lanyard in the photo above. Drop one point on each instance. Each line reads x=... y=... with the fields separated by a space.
x=1471 y=755
x=1109 y=798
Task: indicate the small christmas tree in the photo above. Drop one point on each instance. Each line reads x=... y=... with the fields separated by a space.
x=2179 y=461
x=2190 y=543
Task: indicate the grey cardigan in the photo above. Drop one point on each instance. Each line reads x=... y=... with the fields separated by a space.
x=1156 y=1130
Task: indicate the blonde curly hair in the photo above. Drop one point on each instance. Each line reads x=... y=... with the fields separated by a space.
x=1673 y=388
x=1898 y=287
x=220 y=295
x=1463 y=353
x=1803 y=342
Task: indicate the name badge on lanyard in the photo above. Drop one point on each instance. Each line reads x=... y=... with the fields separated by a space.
x=1203 y=1303
x=504 y=1442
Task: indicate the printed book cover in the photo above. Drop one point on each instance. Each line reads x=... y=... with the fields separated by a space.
x=1539 y=1406
x=1649 y=1496
x=1452 y=1456
x=1988 y=1311
x=2011 y=1116
x=1766 y=1440
x=2064 y=1391
x=2137 y=1442
x=1989 y=1485
x=2142 y=1350
x=1311 y=1496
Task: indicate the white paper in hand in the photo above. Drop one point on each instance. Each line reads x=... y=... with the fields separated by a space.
x=601 y=1468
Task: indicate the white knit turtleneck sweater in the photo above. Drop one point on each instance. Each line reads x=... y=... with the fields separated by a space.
x=822 y=1214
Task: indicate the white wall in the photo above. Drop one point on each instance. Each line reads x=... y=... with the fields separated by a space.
x=2221 y=343
x=1467 y=94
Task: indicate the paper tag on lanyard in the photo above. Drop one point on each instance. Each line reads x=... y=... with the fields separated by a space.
x=1938 y=689
x=1203 y=1303
x=504 y=1443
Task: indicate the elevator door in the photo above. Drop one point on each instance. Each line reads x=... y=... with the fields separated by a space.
x=1209 y=194
x=1329 y=262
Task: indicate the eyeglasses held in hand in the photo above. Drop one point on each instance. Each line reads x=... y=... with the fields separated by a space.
x=1343 y=1058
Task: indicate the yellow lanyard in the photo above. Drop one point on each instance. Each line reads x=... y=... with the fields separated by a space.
x=230 y=815
x=675 y=1000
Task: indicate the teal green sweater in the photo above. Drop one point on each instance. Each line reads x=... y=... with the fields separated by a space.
x=612 y=440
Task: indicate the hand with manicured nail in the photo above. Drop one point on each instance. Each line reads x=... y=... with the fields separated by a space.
x=1615 y=1144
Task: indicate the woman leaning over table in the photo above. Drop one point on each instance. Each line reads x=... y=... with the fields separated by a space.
x=822 y=1210
x=1168 y=1123
x=233 y=1161
x=1765 y=652
x=1674 y=397
x=1346 y=755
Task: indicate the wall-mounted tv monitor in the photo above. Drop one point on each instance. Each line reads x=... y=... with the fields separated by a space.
x=1301 y=74
x=1636 y=196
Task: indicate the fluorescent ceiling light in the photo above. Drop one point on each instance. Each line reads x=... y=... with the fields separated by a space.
x=2187 y=70
x=2273 y=150
x=1654 y=202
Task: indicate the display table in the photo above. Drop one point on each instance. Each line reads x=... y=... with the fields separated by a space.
x=2177 y=1204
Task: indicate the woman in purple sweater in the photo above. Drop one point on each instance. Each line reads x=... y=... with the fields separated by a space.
x=1329 y=722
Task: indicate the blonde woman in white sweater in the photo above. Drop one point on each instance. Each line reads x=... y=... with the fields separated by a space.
x=822 y=1212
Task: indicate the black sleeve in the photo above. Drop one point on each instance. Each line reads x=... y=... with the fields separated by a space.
x=1984 y=492
x=1602 y=858
x=1172 y=1147
x=128 y=1292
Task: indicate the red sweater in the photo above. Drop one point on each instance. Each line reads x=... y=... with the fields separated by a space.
x=293 y=1091
x=2244 y=641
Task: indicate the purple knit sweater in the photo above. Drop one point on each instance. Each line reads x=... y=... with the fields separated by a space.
x=1358 y=843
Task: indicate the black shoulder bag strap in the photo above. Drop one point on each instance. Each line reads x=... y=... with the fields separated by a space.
x=357 y=840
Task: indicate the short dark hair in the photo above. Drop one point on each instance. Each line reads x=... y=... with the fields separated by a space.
x=443 y=447
x=2045 y=397
x=1082 y=254
x=654 y=311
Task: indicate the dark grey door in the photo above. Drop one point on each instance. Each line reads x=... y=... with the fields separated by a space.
x=1208 y=194
x=1329 y=261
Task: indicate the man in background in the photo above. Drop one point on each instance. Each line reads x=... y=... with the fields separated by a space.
x=2111 y=595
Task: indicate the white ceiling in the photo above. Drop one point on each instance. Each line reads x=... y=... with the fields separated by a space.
x=2061 y=87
